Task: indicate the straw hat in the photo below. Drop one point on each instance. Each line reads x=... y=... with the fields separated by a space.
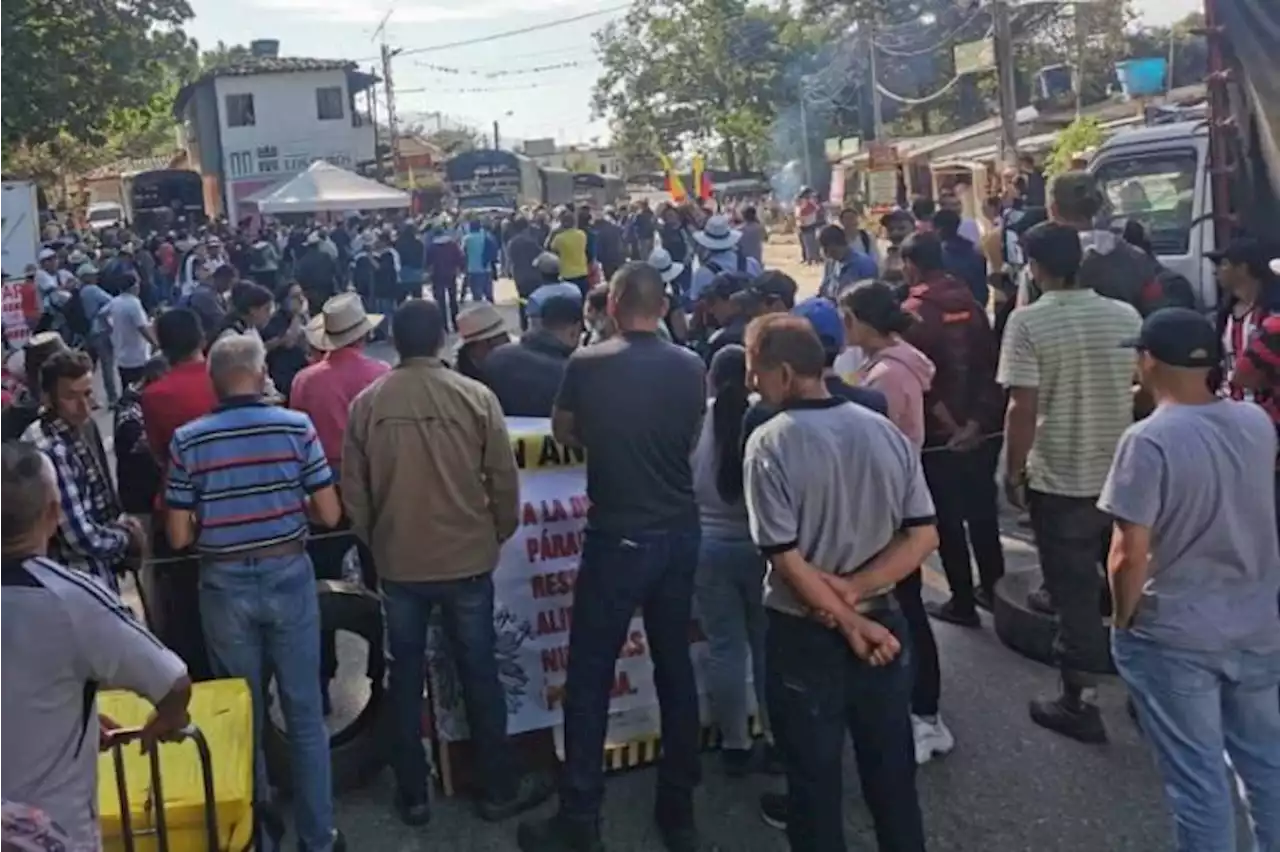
x=716 y=234
x=480 y=321
x=341 y=322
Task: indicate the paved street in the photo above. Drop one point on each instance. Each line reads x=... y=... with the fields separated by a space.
x=1008 y=785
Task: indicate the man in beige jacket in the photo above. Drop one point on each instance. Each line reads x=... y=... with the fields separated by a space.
x=429 y=481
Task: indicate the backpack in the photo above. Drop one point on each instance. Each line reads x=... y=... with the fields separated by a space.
x=739 y=273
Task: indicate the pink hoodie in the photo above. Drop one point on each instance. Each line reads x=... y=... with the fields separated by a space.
x=903 y=374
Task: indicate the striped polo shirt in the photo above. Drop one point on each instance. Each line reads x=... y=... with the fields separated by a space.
x=1067 y=345
x=245 y=470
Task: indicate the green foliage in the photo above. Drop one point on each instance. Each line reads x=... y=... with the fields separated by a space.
x=74 y=69
x=699 y=74
x=1079 y=136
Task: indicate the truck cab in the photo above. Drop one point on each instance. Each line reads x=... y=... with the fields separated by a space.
x=1160 y=177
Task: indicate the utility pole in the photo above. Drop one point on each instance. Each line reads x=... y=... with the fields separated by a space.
x=378 y=172
x=877 y=103
x=393 y=130
x=495 y=134
x=804 y=134
x=1002 y=32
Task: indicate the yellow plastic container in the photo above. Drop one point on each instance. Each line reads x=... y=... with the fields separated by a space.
x=223 y=711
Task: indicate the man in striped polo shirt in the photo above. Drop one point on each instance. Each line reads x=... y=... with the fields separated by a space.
x=243 y=483
x=1070 y=399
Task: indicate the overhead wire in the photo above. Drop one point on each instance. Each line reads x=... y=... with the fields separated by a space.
x=947 y=40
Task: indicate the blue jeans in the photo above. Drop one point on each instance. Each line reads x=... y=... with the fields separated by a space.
x=651 y=571
x=1193 y=706
x=817 y=691
x=481 y=285
x=468 y=624
x=730 y=583
x=259 y=616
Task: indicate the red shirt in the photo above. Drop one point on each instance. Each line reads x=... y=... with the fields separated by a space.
x=324 y=392
x=175 y=399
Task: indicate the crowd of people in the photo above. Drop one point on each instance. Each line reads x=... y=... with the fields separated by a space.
x=778 y=467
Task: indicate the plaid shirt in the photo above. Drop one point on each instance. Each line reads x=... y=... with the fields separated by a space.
x=88 y=538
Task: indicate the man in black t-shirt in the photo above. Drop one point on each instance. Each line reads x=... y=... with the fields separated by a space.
x=635 y=403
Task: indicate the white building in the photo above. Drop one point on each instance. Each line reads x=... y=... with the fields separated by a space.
x=254 y=124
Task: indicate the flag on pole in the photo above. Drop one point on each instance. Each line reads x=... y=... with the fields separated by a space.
x=701 y=181
x=675 y=186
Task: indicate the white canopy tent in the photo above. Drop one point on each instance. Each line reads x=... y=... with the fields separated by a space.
x=325 y=188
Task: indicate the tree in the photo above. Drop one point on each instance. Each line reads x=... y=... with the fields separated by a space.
x=1188 y=48
x=699 y=74
x=222 y=56
x=70 y=66
x=1081 y=135
x=455 y=140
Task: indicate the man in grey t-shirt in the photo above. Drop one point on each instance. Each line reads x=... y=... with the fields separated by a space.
x=838 y=503
x=1195 y=574
x=64 y=637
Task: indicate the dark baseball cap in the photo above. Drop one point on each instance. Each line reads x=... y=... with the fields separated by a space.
x=776 y=286
x=1248 y=252
x=1179 y=337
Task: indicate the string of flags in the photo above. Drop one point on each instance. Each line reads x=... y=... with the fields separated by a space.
x=510 y=72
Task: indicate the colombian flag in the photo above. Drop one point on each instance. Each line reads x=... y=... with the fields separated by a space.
x=701 y=181
x=675 y=186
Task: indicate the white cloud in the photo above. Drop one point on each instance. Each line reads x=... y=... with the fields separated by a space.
x=414 y=11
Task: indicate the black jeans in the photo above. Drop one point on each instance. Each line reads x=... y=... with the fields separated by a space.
x=817 y=690
x=651 y=571
x=129 y=376
x=468 y=625
x=926 y=674
x=445 y=294
x=1072 y=535
x=963 y=486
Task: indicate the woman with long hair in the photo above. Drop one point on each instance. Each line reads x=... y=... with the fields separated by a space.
x=874 y=321
x=730 y=570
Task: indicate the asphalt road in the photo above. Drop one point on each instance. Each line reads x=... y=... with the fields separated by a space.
x=1008 y=785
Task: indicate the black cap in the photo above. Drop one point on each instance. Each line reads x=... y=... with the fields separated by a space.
x=1247 y=252
x=724 y=287
x=1179 y=337
x=775 y=286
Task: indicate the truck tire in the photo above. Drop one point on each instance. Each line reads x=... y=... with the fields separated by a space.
x=356 y=751
x=1027 y=631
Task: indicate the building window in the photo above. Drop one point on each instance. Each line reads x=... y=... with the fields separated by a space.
x=240 y=163
x=297 y=162
x=329 y=103
x=268 y=158
x=340 y=160
x=240 y=111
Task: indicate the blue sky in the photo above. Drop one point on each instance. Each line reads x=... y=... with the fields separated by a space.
x=529 y=103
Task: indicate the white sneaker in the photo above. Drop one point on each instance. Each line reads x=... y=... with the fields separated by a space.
x=932 y=737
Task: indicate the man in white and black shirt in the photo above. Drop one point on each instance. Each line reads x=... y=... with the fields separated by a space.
x=64 y=637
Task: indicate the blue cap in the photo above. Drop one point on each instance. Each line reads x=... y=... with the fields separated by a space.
x=824 y=316
x=1179 y=337
x=559 y=290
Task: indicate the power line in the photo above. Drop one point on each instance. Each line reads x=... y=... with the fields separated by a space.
x=533 y=28
x=945 y=41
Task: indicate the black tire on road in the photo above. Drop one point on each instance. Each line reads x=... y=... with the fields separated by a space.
x=356 y=752
x=1027 y=631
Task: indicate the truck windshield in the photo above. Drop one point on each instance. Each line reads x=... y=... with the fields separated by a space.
x=104 y=214
x=1156 y=190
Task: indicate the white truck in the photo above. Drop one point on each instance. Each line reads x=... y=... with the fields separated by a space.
x=1196 y=184
x=21 y=229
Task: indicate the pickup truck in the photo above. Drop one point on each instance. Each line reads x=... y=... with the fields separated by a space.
x=1196 y=184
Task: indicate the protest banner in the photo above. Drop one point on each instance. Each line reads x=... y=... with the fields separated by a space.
x=533 y=603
